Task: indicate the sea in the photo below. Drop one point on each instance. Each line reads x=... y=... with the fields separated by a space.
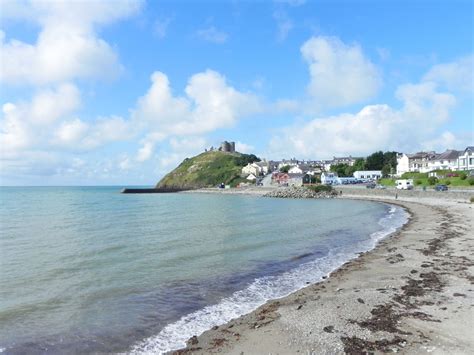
x=90 y=270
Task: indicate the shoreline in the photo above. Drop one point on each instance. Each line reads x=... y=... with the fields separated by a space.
x=396 y=297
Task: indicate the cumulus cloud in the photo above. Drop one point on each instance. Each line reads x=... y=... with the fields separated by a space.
x=457 y=76
x=67 y=46
x=340 y=74
x=244 y=148
x=179 y=149
x=212 y=34
x=423 y=111
x=209 y=104
x=78 y=135
x=24 y=124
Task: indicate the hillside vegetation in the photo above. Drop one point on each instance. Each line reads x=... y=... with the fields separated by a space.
x=207 y=170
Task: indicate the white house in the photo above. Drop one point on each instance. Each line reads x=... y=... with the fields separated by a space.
x=444 y=161
x=251 y=168
x=418 y=162
x=251 y=177
x=295 y=170
x=329 y=178
x=466 y=159
x=368 y=174
x=264 y=167
x=295 y=179
x=403 y=164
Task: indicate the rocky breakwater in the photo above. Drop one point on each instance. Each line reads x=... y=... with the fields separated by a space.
x=301 y=192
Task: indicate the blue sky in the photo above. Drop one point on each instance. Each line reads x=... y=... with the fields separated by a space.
x=119 y=92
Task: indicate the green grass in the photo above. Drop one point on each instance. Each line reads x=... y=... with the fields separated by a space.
x=206 y=170
x=421 y=179
x=386 y=182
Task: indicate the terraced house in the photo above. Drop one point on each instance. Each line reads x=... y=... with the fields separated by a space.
x=424 y=162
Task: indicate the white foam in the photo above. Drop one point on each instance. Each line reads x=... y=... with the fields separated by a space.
x=174 y=335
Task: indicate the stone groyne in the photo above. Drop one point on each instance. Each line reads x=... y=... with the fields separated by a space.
x=300 y=192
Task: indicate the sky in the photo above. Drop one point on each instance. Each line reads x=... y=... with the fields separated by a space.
x=120 y=92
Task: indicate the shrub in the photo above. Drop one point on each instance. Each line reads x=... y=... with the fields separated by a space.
x=470 y=181
x=472 y=199
x=463 y=176
x=418 y=182
x=321 y=188
x=448 y=182
x=432 y=180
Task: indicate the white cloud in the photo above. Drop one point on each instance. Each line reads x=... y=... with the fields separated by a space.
x=340 y=74
x=160 y=26
x=456 y=76
x=212 y=34
x=24 y=124
x=67 y=46
x=210 y=103
x=145 y=152
x=180 y=148
x=50 y=105
x=284 y=24
x=244 y=148
x=78 y=135
x=376 y=127
x=72 y=132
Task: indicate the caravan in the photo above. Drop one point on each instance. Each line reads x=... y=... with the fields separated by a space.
x=406 y=184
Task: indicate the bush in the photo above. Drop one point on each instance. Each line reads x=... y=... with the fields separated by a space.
x=471 y=181
x=463 y=176
x=321 y=188
x=418 y=182
x=472 y=199
x=432 y=180
x=448 y=182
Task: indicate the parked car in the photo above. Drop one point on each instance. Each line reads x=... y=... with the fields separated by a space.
x=370 y=185
x=440 y=187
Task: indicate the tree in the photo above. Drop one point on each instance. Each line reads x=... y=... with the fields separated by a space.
x=285 y=169
x=386 y=170
x=341 y=169
x=375 y=161
x=359 y=164
x=245 y=159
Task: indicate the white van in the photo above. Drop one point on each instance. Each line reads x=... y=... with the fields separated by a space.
x=406 y=184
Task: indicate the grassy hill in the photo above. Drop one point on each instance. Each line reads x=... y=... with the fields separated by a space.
x=207 y=170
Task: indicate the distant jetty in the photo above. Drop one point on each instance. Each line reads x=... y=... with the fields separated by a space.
x=151 y=190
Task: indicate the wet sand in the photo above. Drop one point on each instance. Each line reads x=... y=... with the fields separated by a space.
x=414 y=293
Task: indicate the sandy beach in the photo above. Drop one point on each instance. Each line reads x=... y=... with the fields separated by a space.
x=414 y=293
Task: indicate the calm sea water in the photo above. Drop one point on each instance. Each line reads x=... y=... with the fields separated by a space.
x=87 y=269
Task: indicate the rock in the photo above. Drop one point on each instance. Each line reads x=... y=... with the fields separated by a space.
x=299 y=192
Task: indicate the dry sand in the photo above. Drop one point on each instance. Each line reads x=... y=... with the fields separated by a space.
x=414 y=293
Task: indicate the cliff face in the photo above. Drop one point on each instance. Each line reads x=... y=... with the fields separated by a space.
x=207 y=170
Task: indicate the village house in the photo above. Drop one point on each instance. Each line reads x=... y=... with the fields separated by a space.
x=466 y=159
x=329 y=178
x=418 y=162
x=295 y=179
x=368 y=174
x=251 y=168
x=280 y=178
x=424 y=162
x=251 y=177
x=295 y=170
x=445 y=161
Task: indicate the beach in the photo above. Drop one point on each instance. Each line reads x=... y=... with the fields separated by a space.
x=413 y=293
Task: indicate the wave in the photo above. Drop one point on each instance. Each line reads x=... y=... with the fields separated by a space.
x=174 y=335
